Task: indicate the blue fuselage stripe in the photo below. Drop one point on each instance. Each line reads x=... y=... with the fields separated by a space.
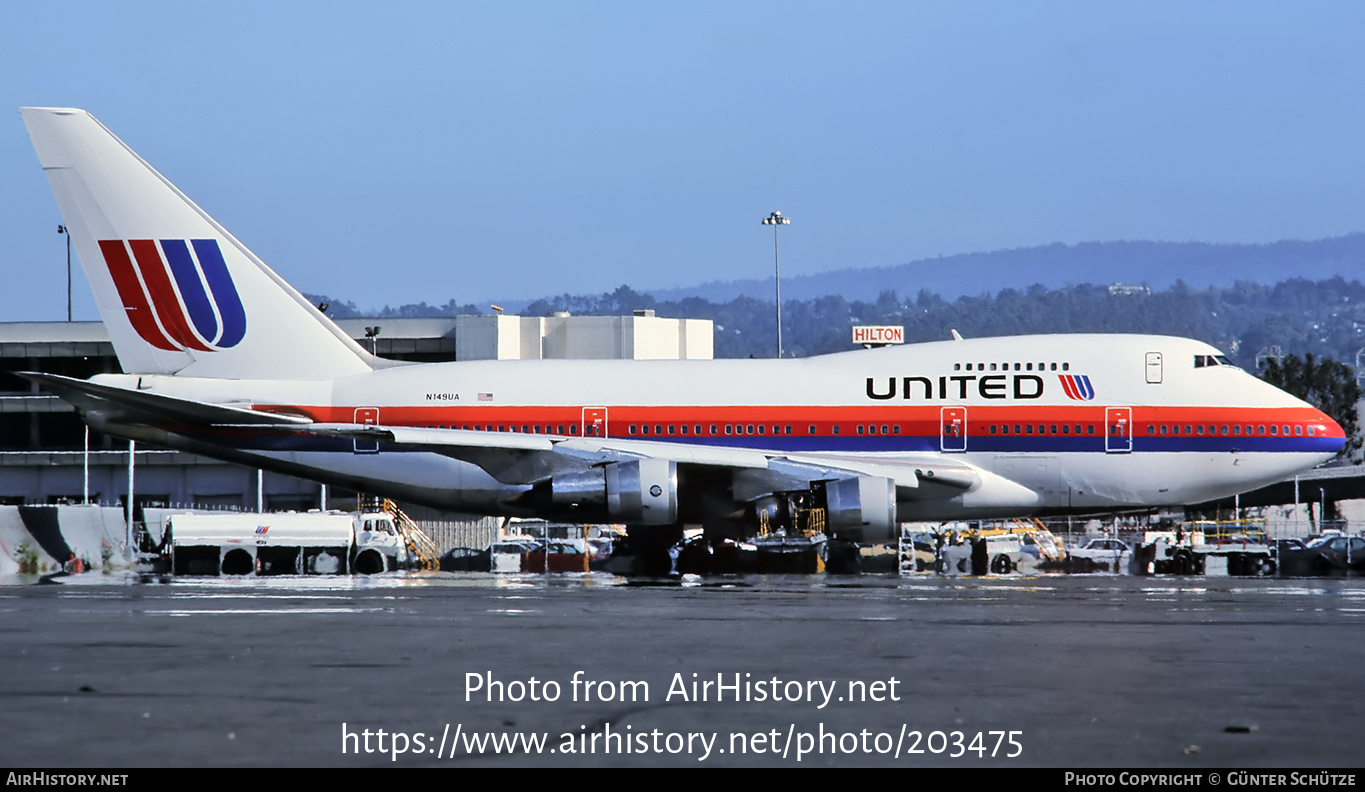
x=1046 y=444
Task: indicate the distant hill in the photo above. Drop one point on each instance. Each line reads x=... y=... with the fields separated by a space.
x=1155 y=264
x=1300 y=296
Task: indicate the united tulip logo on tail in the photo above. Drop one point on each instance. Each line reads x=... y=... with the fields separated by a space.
x=1077 y=386
x=178 y=293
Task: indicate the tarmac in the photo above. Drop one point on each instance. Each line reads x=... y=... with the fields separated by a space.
x=1080 y=671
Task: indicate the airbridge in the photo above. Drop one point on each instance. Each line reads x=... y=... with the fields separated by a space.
x=1322 y=485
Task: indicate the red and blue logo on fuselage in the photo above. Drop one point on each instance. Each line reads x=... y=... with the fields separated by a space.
x=1077 y=386
x=178 y=293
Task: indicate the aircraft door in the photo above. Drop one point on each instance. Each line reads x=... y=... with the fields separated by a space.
x=594 y=421
x=367 y=416
x=1118 y=430
x=1153 y=368
x=953 y=434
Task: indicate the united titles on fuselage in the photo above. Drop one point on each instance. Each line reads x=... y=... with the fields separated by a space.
x=957 y=386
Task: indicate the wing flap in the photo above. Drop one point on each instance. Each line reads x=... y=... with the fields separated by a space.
x=910 y=472
x=433 y=439
x=516 y=458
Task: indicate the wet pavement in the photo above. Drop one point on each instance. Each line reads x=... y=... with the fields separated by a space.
x=1060 y=671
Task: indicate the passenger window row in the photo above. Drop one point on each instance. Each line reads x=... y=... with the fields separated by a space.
x=1007 y=366
x=751 y=429
x=1236 y=429
x=715 y=429
x=1028 y=429
x=1154 y=430
x=525 y=428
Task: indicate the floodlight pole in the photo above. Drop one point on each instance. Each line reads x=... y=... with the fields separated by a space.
x=85 y=469
x=776 y=219
x=132 y=503
x=61 y=229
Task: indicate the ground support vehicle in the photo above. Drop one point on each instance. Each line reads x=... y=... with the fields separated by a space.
x=290 y=543
x=1238 y=547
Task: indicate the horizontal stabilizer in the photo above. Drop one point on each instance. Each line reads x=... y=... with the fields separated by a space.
x=154 y=407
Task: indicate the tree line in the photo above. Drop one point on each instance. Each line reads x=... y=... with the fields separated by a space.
x=1301 y=316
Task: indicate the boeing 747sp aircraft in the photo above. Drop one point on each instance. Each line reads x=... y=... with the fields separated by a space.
x=225 y=359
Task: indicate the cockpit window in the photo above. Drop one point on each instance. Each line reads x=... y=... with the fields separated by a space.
x=1205 y=361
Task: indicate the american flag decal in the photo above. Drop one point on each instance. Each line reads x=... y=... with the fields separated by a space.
x=485 y=397
x=1077 y=386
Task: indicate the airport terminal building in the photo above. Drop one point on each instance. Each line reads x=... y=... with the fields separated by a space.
x=47 y=457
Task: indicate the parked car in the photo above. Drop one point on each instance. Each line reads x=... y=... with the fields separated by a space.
x=1326 y=554
x=506 y=555
x=565 y=555
x=465 y=559
x=1100 y=554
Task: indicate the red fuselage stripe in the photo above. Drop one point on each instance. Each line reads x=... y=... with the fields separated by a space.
x=923 y=421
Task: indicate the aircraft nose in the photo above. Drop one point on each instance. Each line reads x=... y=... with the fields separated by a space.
x=1334 y=436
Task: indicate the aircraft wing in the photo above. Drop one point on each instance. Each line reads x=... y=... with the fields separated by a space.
x=863 y=495
x=560 y=465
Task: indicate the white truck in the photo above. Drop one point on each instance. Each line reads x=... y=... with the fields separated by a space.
x=312 y=543
x=1197 y=549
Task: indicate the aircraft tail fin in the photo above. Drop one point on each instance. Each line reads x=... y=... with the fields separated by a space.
x=177 y=292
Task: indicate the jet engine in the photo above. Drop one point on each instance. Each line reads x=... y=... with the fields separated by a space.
x=861 y=509
x=638 y=492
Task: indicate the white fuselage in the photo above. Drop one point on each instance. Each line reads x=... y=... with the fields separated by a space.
x=1086 y=422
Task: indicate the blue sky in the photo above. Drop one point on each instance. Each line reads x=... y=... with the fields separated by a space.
x=481 y=151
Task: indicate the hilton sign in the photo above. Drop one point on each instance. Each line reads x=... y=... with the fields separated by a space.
x=878 y=334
